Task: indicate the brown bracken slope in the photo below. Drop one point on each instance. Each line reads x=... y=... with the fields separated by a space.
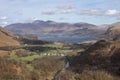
x=103 y=55
x=7 y=38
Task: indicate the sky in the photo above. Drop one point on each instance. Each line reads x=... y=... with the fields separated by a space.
x=91 y=11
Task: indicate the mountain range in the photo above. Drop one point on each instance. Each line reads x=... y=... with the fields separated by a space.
x=43 y=28
x=39 y=27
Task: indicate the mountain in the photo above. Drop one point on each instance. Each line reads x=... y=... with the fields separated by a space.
x=7 y=38
x=114 y=30
x=39 y=27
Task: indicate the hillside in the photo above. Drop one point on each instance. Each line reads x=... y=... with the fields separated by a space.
x=99 y=62
x=7 y=38
x=39 y=27
x=114 y=30
x=103 y=49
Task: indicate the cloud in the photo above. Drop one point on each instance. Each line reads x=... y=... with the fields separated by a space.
x=66 y=8
x=5 y=23
x=49 y=12
x=67 y=11
x=112 y=12
x=97 y=12
x=34 y=18
x=60 y=9
x=90 y=12
x=3 y=17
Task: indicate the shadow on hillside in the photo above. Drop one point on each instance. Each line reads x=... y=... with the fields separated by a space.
x=110 y=64
x=30 y=48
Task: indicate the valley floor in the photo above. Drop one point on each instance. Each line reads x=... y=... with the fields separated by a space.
x=60 y=61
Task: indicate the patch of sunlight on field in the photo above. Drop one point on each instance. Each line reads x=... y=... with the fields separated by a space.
x=29 y=58
x=13 y=56
x=54 y=45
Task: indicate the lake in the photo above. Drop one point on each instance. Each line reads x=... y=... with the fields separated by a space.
x=68 y=39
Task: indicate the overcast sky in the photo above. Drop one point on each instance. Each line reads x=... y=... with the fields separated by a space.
x=91 y=11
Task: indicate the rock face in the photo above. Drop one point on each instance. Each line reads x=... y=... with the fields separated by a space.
x=39 y=27
x=7 y=38
x=114 y=30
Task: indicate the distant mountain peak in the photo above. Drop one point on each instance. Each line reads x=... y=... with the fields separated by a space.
x=39 y=27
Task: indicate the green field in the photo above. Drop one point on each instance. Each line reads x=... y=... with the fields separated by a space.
x=47 y=50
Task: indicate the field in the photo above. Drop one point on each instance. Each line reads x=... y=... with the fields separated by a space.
x=31 y=52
